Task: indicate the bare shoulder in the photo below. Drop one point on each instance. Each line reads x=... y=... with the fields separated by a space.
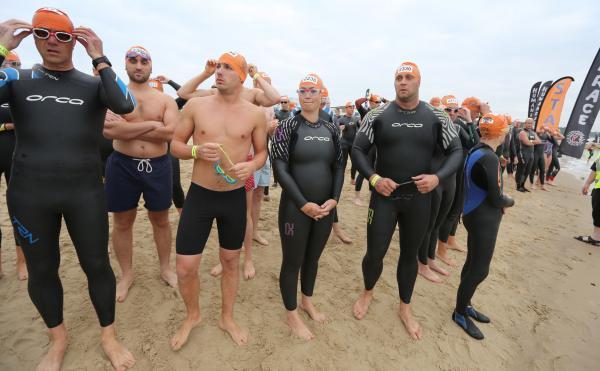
x=198 y=103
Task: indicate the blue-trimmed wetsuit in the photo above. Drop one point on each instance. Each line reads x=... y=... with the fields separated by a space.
x=406 y=141
x=307 y=161
x=56 y=174
x=483 y=209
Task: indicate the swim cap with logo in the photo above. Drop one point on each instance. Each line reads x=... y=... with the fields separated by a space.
x=450 y=101
x=408 y=68
x=140 y=51
x=492 y=126
x=237 y=62
x=312 y=80
x=52 y=19
x=156 y=84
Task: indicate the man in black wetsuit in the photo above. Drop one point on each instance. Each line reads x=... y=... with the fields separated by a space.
x=348 y=124
x=58 y=114
x=405 y=133
x=7 y=147
x=307 y=159
x=527 y=139
x=539 y=159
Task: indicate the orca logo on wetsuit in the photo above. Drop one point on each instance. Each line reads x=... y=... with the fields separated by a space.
x=407 y=124
x=62 y=100
x=5 y=105
x=320 y=139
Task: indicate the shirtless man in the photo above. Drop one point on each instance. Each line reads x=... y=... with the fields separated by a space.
x=140 y=164
x=262 y=94
x=223 y=126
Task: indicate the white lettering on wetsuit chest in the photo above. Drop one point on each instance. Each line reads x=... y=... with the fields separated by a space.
x=61 y=100
x=320 y=139
x=407 y=125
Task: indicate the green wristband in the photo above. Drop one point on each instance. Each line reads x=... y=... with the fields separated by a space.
x=3 y=51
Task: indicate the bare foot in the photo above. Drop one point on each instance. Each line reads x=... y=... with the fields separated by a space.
x=53 y=359
x=341 y=235
x=169 y=277
x=261 y=241
x=123 y=288
x=447 y=259
x=239 y=336
x=533 y=187
x=298 y=327
x=544 y=188
x=217 y=270
x=426 y=272
x=434 y=267
x=361 y=307
x=22 y=271
x=353 y=181
x=453 y=245
x=120 y=358
x=310 y=309
x=358 y=202
x=181 y=336
x=412 y=326
x=249 y=271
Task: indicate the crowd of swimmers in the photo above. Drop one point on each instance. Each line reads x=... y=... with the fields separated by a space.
x=88 y=144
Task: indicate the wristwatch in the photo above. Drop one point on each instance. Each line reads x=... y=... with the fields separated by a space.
x=102 y=59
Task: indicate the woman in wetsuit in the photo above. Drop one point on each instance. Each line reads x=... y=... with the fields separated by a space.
x=483 y=209
x=307 y=160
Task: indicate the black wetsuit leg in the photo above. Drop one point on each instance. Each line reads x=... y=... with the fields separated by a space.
x=36 y=213
x=302 y=242
x=7 y=147
x=447 y=201
x=178 y=195
x=527 y=168
x=412 y=215
x=482 y=227
x=539 y=165
x=450 y=224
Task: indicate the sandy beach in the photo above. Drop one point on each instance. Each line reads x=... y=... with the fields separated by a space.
x=542 y=294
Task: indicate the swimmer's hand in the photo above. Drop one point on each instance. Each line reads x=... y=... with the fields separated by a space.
x=585 y=189
x=210 y=67
x=9 y=126
x=385 y=186
x=313 y=210
x=426 y=182
x=329 y=205
x=8 y=39
x=208 y=152
x=252 y=69
x=163 y=79
x=242 y=170
x=90 y=41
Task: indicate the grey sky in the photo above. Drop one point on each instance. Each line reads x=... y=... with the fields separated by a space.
x=492 y=50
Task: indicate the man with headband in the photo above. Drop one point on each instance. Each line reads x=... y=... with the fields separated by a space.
x=140 y=165
x=262 y=94
x=7 y=147
x=58 y=114
x=224 y=126
x=405 y=133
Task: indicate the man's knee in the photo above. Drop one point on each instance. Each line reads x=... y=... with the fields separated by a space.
x=159 y=219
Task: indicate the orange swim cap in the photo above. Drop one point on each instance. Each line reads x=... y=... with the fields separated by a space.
x=492 y=126
x=155 y=84
x=436 y=102
x=12 y=57
x=450 y=101
x=312 y=80
x=237 y=62
x=472 y=104
x=52 y=19
x=325 y=92
x=409 y=68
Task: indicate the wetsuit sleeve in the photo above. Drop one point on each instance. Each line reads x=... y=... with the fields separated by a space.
x=449 y=141
x=280 y=157
x=114 y=92
x=593 y=168
x=486 y=174
x=337 y=166
x=174 y=85
x=180 y=102
x=359 y=107
x=362 y=144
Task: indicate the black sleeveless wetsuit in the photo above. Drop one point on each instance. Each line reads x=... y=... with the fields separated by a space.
x=482 y=214
x=307 y=161
x=406 y=142
x=56 y=174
